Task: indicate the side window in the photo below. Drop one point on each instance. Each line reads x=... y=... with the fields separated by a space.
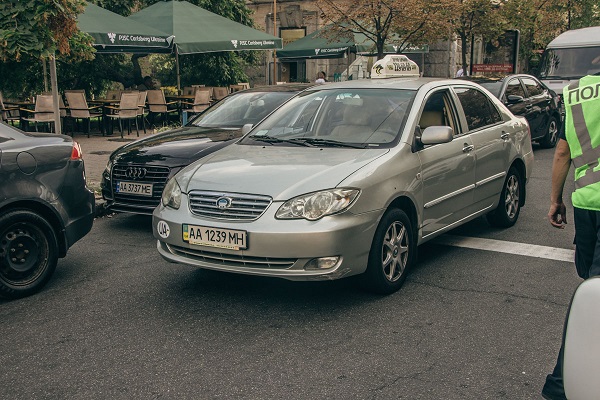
x=438 y=111
x=514 y=88
x=533 y=88
x=479 y=110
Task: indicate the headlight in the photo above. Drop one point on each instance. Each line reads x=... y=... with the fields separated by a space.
x=106 y=173
x=171 y=196
x=313 y=206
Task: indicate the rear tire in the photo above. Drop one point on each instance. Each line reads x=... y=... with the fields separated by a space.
x=28 y=253
x=551 y=137
x=509 y=206
x=392 y=254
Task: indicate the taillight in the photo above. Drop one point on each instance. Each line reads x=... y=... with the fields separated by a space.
x=76 y=153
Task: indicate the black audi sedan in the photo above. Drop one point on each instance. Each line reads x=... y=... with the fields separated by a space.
x=526 y=96
x=136 y=173
x=45 y=207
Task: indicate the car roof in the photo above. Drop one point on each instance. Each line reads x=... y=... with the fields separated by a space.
x=388 y=83
x=289 y=87
x=494 y=78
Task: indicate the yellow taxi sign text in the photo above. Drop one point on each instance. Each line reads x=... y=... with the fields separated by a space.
x=395 y=66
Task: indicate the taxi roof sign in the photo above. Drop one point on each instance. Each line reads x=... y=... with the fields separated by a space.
x=395 y=66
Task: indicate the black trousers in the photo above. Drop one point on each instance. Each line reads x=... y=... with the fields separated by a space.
x=587 y=263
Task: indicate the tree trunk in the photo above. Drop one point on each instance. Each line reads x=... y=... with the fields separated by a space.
x=463 y=51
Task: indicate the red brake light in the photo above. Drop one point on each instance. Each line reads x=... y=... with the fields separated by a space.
x=76 y=153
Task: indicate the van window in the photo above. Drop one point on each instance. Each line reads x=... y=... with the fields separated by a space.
x=572 y=63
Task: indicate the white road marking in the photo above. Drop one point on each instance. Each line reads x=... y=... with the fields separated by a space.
x=501 y=246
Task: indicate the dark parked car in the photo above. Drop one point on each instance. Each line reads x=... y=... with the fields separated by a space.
x=526 y=96
x=136 y=173
x=45 y=207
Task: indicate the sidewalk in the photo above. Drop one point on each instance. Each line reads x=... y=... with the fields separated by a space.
x=96 y=151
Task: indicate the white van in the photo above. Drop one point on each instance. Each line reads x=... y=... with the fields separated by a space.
x=570 y=56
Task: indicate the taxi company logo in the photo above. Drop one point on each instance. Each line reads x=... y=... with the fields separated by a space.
x=317 y=51
x=112 y=36
x=223 y=203
x=136 y=172
x=395 y=49
x=378 y=68
x=163 y=229
x=234 y=43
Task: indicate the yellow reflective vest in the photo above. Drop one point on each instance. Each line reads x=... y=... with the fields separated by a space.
x=582 y=130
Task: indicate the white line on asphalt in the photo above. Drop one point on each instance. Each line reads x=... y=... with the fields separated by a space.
x=501 y=246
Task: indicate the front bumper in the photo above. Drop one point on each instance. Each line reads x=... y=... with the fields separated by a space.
x=276 y=248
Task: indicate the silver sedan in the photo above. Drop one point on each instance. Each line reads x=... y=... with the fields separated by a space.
x=349 y=178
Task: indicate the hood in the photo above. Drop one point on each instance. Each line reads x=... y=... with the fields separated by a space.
x=180 y=146
x=277 y=171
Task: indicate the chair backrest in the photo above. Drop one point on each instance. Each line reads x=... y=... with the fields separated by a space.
x=156 y=101
x=220 y=92
x=113 y=94
x=581 y=345
x=244 y=85
x=189 y=91
x=44 y=107
x=128 y=107
x=75 y=91
x=431 y=118
x=142 y=101
x=201 y=100
x=77 y=104
x=235 y=88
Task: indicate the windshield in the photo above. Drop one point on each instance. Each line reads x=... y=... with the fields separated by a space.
x=572 y=63
x=336 y=118
x=240 y=109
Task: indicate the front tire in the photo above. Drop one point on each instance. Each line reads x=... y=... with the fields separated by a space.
x=28 y=253
x=551 y=137
x=509 y=207
x=393 y=252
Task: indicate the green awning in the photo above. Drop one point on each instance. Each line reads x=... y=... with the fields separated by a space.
x=319 y=45
x=197 y=30
x=113 y=33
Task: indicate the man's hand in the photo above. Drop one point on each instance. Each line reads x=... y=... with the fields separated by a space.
x=558 y=215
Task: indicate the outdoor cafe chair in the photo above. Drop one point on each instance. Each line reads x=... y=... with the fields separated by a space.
x=113 y=95
x=201 y=101
x=157 y=104
x=236 y=88
x=142 y=108
x=79 y=109
x=189 y=90
x=9 y=114
x=220 y=92
x=43 y=112
x=127 y=110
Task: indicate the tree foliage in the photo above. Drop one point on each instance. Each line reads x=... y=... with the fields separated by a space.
x=412 y=22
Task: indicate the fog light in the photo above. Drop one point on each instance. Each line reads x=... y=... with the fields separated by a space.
x=322 y=263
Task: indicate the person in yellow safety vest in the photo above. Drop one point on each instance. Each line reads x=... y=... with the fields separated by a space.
x=579 y=143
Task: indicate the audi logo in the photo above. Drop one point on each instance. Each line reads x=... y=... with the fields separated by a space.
x=223 y=203
x=135 y=172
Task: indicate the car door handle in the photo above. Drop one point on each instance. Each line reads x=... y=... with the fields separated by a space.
x=504 y=136
x=468 y=148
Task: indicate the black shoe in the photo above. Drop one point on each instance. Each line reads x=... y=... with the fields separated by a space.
x=548 y=395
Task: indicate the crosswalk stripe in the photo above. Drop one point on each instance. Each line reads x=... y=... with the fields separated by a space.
x=501 y=246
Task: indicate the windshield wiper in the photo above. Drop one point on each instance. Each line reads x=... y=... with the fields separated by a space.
x=329 y=142
x=273 y=140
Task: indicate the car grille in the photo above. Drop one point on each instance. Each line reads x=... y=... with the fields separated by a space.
x=232 y=260
x=238 y=206
x=156 y=175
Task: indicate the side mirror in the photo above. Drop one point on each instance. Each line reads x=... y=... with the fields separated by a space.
x=513 y=99
x=246 y=128
x=436 y=135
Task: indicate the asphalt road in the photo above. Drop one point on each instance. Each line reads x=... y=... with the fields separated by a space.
x=118 y=322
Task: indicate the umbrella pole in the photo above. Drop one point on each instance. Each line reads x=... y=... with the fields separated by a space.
x=177 y=68
x=54 y=84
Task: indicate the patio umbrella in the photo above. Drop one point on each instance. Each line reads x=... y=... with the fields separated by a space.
x=113 y=33
x=197 y=30
x=319 y=45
